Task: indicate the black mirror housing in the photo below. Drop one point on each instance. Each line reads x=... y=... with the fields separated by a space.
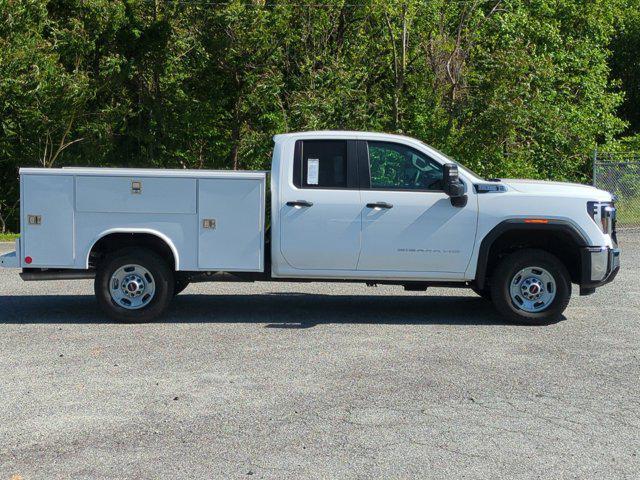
x=451 y=180
x=453 y=186
x=456 y=190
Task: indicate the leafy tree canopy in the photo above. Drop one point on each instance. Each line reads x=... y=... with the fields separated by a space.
x=509 y=87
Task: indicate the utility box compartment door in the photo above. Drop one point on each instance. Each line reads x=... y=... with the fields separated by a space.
x=231 y=224
x=123 y=194
x=47 y=220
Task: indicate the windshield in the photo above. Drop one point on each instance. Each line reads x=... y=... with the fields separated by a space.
x=462 y=167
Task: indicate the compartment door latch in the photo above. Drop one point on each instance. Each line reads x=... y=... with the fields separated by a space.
x=34 y=219
x=209 y=223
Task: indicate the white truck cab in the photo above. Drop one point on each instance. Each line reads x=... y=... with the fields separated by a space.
x=345 y=206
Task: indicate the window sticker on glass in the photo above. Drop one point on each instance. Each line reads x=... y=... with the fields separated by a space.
x=313 y=168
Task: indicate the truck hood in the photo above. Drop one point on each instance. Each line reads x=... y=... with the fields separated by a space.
x=559 y=189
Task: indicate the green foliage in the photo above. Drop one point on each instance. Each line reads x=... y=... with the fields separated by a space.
x=510 y=87
x=629 y=211
x=625 y=61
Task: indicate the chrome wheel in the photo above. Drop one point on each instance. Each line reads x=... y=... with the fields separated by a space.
x=532 y=289
x=132 y=287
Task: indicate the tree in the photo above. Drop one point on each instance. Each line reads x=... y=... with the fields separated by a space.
x=625 y=64
x=510 y=87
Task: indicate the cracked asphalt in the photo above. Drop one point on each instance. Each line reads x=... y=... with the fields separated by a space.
x=279 y=380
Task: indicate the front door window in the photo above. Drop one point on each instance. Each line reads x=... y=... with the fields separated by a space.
x=399 y=167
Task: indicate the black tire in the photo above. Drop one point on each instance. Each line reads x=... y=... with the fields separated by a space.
x=161 y=276
x=181 y=282
x=505 y=272
x=484 y=293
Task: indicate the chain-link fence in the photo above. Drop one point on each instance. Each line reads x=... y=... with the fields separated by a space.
x=619 y=173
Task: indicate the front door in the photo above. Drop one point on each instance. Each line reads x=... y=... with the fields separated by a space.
x=408 y=222
x=320 y=219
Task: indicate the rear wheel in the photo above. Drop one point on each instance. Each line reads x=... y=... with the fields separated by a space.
x=531 y=287
x=134 y=285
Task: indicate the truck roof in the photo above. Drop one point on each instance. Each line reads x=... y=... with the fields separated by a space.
x=342 y=134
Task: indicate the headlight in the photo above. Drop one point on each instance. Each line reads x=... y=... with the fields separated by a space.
x=604 y=214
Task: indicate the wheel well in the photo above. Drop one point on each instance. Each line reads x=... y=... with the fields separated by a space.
x=116 y=241
x=558 y=242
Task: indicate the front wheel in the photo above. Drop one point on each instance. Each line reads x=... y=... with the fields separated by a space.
x=484 y=293
x=134 y=285
x=531 y=287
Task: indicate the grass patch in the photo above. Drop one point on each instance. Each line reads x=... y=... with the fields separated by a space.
x=628 y=211
x=8 y=237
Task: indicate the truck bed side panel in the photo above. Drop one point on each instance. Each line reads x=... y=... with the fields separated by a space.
x=177 y=230
x=113 y=194
x=209 y=220
x=231 y=224
x=49 y=201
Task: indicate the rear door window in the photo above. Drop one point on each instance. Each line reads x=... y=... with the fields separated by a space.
x=323 y=164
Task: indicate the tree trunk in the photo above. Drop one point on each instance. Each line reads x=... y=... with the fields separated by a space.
x=399 y=64
x=3 y=224
x=235 y=135
x=236 y=130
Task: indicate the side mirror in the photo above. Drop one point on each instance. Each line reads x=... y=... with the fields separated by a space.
x=453 y=186
x=451 y=180
x=456 y=190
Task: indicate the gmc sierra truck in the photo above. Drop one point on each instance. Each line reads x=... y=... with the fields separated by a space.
x=344 y=206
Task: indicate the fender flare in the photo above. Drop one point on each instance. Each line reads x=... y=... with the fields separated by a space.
x=148 y=231
x=553 y=225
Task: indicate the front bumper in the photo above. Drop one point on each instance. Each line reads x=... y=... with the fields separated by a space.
x=600 y=265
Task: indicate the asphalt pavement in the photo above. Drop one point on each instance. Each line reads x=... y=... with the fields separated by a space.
x=280 y=380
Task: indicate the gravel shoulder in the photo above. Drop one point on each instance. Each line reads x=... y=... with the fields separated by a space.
x=279 y=380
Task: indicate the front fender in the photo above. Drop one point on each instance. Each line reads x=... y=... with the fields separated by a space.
x=551 y=225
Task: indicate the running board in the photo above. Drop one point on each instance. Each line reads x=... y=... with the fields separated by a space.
x=36 y=275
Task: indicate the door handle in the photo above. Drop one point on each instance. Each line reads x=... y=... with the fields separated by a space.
x=300 y=203
x=379 y=205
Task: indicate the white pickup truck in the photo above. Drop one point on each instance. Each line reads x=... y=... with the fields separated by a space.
x=344 y=206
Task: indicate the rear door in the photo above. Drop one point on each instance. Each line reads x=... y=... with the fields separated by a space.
x=320 y=221
x=408 y=222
